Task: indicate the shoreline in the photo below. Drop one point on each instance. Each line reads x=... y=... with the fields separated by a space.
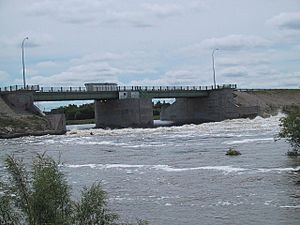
x=31 y=133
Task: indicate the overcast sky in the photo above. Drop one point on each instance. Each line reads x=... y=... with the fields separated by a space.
x=151 y=42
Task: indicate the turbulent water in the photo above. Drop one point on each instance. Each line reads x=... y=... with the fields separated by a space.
x=181 y=175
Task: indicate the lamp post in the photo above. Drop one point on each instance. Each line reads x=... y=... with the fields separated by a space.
x=213 y=66
x=23 y=63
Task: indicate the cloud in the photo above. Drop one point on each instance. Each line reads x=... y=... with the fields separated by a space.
x=95 y=12
x=45 y=64
x=35 y=39
x=235 y=42
x=286 y=20
x=96 y=67
x=77 y=75
x=245 y=60
x=234 y=72
x=163 y=10
x=68 y=11
x=3 y=75
x=132 y=18
x=271 y=78
x=173 y=9
x=231 y=42
x=100 y=57
x=176 y=77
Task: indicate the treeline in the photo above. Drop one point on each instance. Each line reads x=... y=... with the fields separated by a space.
x=87 y=111
x=74 y=112
x=157 y=107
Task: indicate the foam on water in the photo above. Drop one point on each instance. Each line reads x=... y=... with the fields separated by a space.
x=227 y=126
x=249 y=141
x=266 y=170
x=167 y=168
x=105 y=166
x=226 y=169
x=290 y=206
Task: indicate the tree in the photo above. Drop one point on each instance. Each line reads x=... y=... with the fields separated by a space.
x=41 y=196
x=290 y=129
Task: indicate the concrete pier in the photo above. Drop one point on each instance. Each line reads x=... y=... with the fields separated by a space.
x=218 y=106
x=121 y=113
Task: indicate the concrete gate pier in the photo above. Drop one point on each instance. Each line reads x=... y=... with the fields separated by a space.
x=217 y=106
x=122 y=113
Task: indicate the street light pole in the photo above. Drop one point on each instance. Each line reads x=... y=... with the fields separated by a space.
x=23 y=62
x=213 y=66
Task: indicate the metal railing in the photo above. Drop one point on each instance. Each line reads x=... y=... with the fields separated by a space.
x=37 y=88
x=20 y=88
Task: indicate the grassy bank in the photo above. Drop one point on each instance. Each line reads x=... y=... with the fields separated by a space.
x=276 y=91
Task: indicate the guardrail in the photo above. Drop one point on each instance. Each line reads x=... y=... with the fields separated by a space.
x=20 y=88
x=37 y=88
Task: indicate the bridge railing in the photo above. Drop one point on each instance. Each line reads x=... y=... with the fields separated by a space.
x=62 y=89
x=118 y=88
x=20 y=88
x=175 y=88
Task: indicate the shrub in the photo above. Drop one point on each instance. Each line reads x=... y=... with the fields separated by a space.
x=41 y=196
x=290 y=129
x=292 y=153
x=232 y=152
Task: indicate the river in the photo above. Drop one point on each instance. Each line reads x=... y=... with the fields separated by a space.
x=181 y=175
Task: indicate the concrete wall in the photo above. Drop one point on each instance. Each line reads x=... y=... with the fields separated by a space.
x=124 y=113
x=20 y=102
x=57 y=122
x=218 y=106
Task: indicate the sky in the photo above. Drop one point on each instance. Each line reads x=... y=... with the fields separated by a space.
x=151 y=42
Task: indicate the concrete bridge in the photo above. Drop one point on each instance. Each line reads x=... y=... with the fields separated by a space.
x=131 y=106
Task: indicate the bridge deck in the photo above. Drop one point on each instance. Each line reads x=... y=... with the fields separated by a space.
x=80 y=93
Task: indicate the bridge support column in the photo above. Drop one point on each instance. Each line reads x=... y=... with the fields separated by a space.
x=124 y=113
x=217 y=106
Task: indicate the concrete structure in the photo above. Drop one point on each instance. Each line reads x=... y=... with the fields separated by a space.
x=132 y=106
x=124 y=113
x=57 y=123
x=120 y=107
x=217 y=106
x=21 y=102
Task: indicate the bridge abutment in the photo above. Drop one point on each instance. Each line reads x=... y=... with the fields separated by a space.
x=217 y=106
x=121 y=113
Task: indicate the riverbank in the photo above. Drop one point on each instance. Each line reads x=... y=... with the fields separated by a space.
x=269 y=102
x=25 y=125
x=18 y=122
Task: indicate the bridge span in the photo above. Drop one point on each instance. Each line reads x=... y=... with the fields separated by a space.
x=112 y=92
x=131 y=106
